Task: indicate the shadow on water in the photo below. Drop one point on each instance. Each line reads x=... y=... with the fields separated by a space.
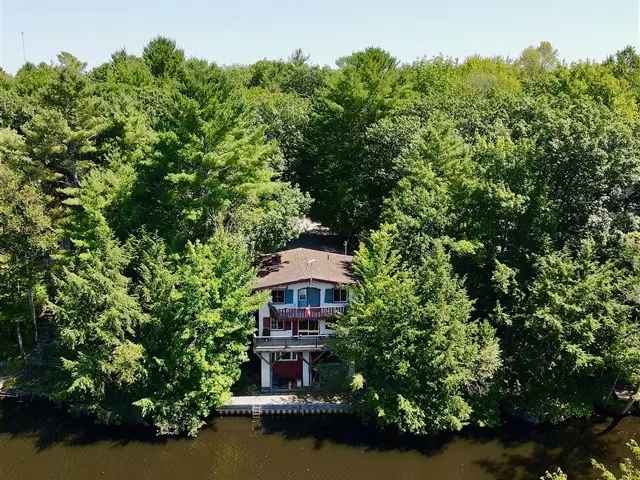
x=51 y=425
x=518 y=446
x=613 y=423
x=516 y=451
x=348 y=430
x=535 y=449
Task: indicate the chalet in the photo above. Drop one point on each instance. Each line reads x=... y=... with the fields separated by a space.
x=308 y=289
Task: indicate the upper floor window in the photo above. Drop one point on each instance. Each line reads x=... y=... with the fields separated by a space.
x=282 y=296
x=278 y=295
x=277 y=324
x=336 y=295
x=340 y=295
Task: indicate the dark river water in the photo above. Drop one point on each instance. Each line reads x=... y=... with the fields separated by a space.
x=38 y=442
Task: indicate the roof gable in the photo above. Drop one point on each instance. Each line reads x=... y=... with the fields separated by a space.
x=302 y=264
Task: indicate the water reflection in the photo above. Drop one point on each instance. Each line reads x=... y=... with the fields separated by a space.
x=519 y=450
x=49 y=426
x=38 y=441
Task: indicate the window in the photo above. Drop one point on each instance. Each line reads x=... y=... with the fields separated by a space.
x=277 y=295
x=339 y=295
x=286 y=357
x=302 y=297
x=308 y=326
x=277 y=323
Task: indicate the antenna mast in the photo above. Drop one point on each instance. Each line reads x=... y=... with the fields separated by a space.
x=24 y=52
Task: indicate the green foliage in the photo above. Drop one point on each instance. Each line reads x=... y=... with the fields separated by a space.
x=540 y=59
x=333 y=377
x=26 y=241
x=579 y=331
x=294 y=76
x=91 y=162
x=488 y=76
x=557 y=475
x=200 y=306
x=163 y=57
x=136 y=196
x=368 y=87
x=436 y=186
x=146 y=335
x=629 y=468
x=286 y=118
x=211 y=165
x=96 y=317
x=423 y=364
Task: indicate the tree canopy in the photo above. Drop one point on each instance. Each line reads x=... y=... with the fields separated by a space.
x=496 y=203
x=421 y=362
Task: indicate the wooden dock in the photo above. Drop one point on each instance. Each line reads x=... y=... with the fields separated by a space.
x=11 y=392
x=3 y=392
x=258 y=405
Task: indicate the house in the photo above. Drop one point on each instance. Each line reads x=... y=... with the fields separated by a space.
x=307 y=290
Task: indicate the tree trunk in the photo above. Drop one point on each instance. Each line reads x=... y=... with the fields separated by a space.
x=24 y=357
x=613 y=388
x=631 y=401
x=33 y=316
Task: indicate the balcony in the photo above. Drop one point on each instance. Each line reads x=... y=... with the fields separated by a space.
x=306 y=312
x=299 y=343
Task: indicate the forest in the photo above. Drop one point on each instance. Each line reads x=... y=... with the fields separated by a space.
x=493 y=204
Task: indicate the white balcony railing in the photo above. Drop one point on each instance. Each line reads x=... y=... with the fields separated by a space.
x=317 y=342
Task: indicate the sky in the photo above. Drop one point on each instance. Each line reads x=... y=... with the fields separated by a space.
x=243 y=31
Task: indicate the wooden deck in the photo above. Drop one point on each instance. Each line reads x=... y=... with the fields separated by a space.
x=257 y=405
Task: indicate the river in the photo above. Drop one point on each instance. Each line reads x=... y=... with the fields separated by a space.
x=38 y=442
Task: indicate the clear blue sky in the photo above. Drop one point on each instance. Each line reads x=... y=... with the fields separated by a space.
x=243 y=31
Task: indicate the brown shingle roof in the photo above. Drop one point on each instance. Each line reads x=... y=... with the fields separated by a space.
x=301 y=264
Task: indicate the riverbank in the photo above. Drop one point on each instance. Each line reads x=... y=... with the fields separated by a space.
x=38 y=440
x=253 y=405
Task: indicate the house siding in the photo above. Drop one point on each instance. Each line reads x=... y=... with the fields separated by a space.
x=288 y=331
x=277 y=374
x=289 y=370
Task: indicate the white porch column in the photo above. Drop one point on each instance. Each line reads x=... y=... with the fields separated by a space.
x=306 y=369
x=265 y=370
